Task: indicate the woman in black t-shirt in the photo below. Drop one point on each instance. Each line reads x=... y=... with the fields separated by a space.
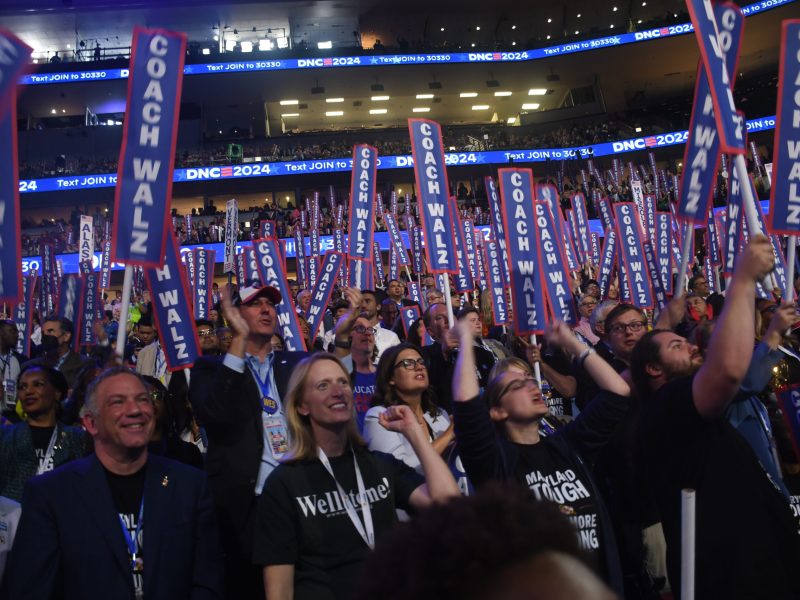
x=555 y=468
x=39 y=443
x=322 y=509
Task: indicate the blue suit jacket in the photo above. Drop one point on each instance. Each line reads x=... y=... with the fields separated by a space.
x=70 y=545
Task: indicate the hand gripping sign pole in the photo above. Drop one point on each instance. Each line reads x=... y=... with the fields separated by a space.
x=147 y=156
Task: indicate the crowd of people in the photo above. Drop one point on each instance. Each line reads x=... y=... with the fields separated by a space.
x=207 y=224
x=324 y=467
x=322 y=145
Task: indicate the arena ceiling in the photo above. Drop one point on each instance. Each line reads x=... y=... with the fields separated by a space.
x=650 y=70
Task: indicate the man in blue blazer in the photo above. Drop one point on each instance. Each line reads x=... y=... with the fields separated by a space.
x=238 y=398
x=119 y=524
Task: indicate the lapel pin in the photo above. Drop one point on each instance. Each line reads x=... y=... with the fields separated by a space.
x=165 y=481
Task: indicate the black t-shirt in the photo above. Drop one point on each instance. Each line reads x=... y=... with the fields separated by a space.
x=301 y=520
x=747 y=545
x=792 y=482
x=551 y=476
x=41 y=442
x=559 y=405
x=127 y=492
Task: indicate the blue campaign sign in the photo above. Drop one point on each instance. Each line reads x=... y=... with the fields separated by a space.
x=553 y=266
x=362 y=202
x=144 y=189
x=339 y=165
x=15 y=56
x=632 y=257
x=519 y=224
x=701 y=157
x=785 y=193
x=269 y=64
x=174 y=319
x=710 y=39
x=433 y=195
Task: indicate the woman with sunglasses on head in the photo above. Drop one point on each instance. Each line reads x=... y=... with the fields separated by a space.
x=499 y=439
x=403 y=380
x=313 y=524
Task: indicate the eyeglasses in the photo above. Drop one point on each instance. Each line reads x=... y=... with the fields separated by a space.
x=589 y=303
x=205 y=333
x=633 y=327
x=365 y=330
x=411 y=363
x=517 y=384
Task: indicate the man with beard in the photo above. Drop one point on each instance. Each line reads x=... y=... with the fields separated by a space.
x=747 y=545
x=384 y=338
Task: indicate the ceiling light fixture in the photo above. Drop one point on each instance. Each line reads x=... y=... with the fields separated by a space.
x=334 y=100
x=378 y=111
x=420 y=109
x=289 y=102
x=379 y=98
x=334 y=113
x=530 y=106
x=468 y=95
x=480 y=107
x=424 y=96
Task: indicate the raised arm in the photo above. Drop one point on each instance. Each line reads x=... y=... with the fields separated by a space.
x=343 y=327
x=439 y=483
x=731 y=346
x=558 y=334
x=465 y=380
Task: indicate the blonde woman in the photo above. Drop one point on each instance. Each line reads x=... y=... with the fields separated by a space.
x=323 y=508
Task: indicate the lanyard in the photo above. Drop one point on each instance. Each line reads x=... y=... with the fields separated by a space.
x=137 y=564
x=366 y=531
x=60 y=362
x=48 y=453
x=6 y=363
x=268 y=404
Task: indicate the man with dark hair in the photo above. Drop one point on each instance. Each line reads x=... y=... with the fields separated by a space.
x=209 y=344
x=151 y=360
x=590 y=287
x=56 y=348
x=238 y=398
x=699 y=285
x=384 y=338
x=389 y=314
x=83 y=533
x=395 y=290
x=747 y=544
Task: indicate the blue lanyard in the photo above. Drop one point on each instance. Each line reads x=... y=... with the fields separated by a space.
x=137 y=564
x=268 y=404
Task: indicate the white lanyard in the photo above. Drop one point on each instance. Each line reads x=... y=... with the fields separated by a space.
x=366 y=531
x=48 y=454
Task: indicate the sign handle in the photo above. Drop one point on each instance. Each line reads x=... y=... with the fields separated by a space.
x=790 y=252
x=688 y=525
x=448 y=301
x=537 y=371
x=685 y=251
x=122 y=331
x=750 y=209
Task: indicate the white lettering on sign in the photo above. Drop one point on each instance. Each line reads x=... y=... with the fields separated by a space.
x=145 y=171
